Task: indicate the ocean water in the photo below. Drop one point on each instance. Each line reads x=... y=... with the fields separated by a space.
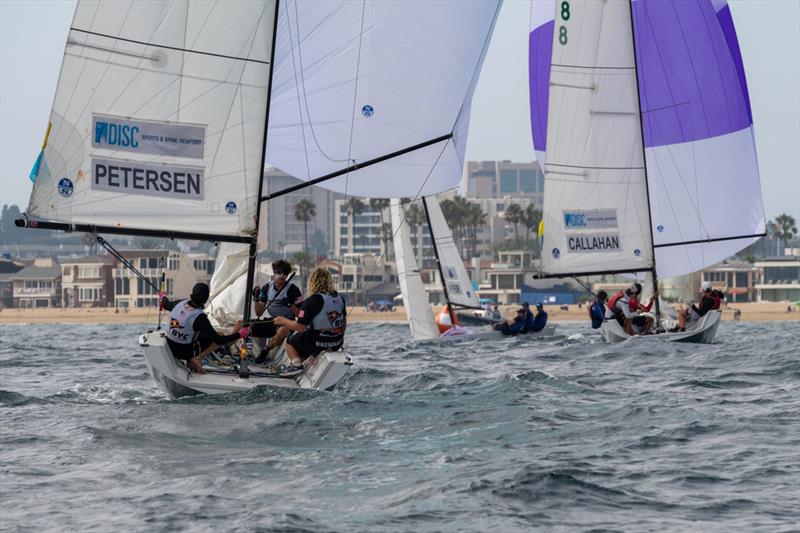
x=566 y=434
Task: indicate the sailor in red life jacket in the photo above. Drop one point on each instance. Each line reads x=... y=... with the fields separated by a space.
x=711 y=300
x=625 y=308
x=443 y=320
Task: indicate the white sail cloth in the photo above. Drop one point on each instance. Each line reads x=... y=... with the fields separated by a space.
x=158 y=117
x=356 y=81
x=415 y=300
x=595 y=198
x=456 y=279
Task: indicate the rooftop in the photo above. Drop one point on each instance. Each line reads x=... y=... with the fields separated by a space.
x=34 y=272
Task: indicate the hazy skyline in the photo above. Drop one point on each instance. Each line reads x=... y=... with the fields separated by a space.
x=32 y=37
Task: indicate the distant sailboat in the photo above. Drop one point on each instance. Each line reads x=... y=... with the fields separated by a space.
x=163 y=110
x=641 y=121
x=454 y=279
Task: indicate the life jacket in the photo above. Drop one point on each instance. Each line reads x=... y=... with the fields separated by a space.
x=597 y=314
x=612 y=302
x=443 y=321
x=181 y=323
x=280 y=304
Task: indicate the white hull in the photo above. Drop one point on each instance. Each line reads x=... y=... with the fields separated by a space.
x=486 y=335
x=176 y=380
x=703 y=331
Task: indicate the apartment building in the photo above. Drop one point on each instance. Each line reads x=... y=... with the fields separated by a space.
x=37 y=285
x=87 y=282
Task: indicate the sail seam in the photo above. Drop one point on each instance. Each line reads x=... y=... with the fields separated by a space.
x=176 y=48
x=592 y=168
x=590 y=67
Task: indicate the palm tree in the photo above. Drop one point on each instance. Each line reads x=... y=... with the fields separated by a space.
x=304 y=210
x=786 y=228
x=514 y=215
x=415 y=219
x=379 y=204
x=354 y=207
x=386 y=237
x=475 y=218
x=530 y=219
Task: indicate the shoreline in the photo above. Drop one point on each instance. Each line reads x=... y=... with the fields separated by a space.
x=751 y=312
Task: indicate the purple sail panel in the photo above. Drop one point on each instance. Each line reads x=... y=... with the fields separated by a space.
x=540 y=52
x=689 y=84
x=729 y=30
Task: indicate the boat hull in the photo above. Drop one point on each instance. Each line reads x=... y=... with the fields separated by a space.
x=485 y=335
x=172 y=377
x=704 y=331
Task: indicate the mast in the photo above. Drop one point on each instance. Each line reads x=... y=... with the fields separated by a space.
x=644 y=163
x=438 y=263
x=253 y=252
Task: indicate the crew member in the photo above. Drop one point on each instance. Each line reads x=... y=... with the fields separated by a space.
x=597 y=310
x=320 y=324
x=190 y=335
x=278 y=297
x=711 y=300
x=443 y=319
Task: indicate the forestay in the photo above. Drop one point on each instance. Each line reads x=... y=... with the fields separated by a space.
x=456 y=279
x=702 y=173
x=415 y=300
x=356 y=81
x=595 y=210
x=158 y=117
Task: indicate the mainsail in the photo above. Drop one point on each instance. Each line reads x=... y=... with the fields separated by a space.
x=702 y=189
x=415 y=300
x=158 y=118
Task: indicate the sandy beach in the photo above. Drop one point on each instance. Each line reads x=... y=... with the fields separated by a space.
x=750 y=312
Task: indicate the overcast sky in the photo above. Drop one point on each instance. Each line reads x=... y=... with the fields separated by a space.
x=32 y=37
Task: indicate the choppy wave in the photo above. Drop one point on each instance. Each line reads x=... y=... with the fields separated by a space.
x=561 y=433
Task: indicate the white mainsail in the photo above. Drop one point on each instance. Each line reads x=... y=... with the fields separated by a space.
x=595 y=199
x=456 y=279
x=359 y=81
x=415 y=300
x=158 y=117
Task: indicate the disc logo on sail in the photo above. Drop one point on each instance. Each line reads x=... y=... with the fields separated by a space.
x=148 y=137
x=230 y=208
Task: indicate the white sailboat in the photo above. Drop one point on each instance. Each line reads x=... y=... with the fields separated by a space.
x=641 y=119
x=456 y=284
x=166 y=112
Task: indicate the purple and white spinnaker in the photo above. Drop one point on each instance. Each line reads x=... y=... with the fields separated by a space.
x=673 y=71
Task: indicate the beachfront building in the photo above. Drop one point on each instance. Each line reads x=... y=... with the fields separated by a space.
x=87 y=282
x=37 y=285
x=7 y=269
x=281 y=232
x=363 y=277
x=779 y=280
x=737 y=279
x=181 y=271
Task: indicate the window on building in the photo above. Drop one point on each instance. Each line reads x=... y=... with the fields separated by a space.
x=173 y=263
x=508 y=181
x=505 y=281
x=88 y=294
x=741 y=279
x=89 y=271
x=527 y=181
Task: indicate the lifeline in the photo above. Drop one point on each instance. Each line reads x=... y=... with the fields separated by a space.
x=594 y=243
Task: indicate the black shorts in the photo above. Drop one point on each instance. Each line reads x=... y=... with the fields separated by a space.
x=309 y=343
x=639 y=321
x=187 y=351
x=263 y=328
